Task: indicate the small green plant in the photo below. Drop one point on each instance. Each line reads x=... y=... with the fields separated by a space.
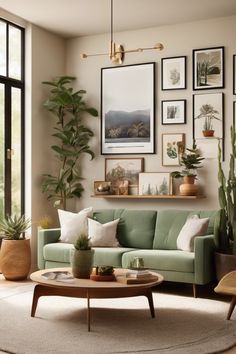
x=45 y=222
x=226 y=234
x=191 y=161
x=14 y=227
x=82 y=243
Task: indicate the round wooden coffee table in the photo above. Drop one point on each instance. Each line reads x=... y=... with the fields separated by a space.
x=90 y=289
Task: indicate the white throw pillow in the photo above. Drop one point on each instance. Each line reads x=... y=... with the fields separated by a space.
x=103 y=235
x=73 y=224
x=192 y=228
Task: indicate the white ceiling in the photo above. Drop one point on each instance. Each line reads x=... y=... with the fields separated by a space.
x=71 y=18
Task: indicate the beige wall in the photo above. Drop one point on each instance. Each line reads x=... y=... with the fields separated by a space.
x=178 y=40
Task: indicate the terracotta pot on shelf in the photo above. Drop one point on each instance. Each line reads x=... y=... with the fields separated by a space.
x=208 y=133
x=188 y=187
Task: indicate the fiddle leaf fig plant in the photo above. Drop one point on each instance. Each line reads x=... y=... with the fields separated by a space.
x=69 y=107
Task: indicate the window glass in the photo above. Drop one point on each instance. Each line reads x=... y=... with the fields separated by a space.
x=2 y=159
x=14 y=52
x=3 y=28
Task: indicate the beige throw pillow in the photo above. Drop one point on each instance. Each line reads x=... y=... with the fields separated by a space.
x=192 y=228
x=103 y=235
x=73 y=224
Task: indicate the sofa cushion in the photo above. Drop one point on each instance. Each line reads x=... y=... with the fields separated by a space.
x=178 y=261
x=57 y=252
x=136 y=227
x=109 y=256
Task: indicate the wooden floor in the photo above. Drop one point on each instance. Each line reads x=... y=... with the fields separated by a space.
x=171 y=288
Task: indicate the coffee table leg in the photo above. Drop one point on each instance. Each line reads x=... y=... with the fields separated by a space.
x=150 y=301
x=36 y=296
x=88 y=311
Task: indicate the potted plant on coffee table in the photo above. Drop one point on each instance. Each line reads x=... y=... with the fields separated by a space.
x=225 y=230
x=15 y=254
x=82 y=257
x=191 y=160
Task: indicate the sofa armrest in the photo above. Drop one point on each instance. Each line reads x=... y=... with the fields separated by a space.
x=46 y=236
x=204 y=247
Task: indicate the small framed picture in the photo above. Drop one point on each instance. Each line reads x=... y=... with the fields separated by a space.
x=154 y=183
x=234 y=74
x=173 y=112
x=173 y=73
x=208 y=68
x=171 y=148
x=120 y=170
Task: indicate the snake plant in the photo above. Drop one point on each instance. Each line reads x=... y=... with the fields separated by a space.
x=14 y=227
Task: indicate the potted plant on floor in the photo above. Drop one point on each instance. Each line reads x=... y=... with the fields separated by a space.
x=69 y=107
x=82 y=257
x=15 y=254
x=225 y=230
x=191 y=160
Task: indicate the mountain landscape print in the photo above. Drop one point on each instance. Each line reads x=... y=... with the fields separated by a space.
x=124 y=127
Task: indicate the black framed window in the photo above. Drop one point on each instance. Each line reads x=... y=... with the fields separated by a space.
x=12 y=92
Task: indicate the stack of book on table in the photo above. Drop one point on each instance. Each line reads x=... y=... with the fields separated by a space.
x=136 y=276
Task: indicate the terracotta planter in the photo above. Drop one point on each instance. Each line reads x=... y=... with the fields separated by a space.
x=82 y=263
x=15 y=259
x=208 y=133
x=188 y=187
x=224 y=264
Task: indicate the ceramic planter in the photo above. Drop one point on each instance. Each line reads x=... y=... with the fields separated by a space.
x=15 y=259
x=188 y=187
x=82 y=263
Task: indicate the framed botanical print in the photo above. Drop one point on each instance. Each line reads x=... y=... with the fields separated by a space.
x=127 y=109
x=154 y=183
x=118 y=170
x=234 y=74
x=171 y=148
x=208 y=117
x=173 y=73
x=208 y=68
x=173 y=112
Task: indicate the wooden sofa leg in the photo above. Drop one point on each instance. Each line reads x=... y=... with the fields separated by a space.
x=194 y=290
x=231 y=307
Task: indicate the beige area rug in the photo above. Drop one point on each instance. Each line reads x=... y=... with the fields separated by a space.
x=182 y=325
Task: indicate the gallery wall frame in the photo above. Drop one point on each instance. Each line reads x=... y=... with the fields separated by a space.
x=173 y=112
x=173 y=73
x=234 y=74
x=155 y=183
x=171 y=144
x=118 y=170
x=208 y=68
x=128 y=109
x=234 y=113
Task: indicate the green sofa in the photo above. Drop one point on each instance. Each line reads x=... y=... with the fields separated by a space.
x=149 y=234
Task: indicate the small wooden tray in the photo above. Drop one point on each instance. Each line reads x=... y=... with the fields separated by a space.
x=98 y=277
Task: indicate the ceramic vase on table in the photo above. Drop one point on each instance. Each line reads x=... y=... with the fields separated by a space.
x=82 y=263
x=188 y=187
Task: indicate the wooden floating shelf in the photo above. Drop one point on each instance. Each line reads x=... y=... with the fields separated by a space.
x=114 y=196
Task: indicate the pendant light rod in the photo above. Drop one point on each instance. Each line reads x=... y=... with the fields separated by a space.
x=117 y=51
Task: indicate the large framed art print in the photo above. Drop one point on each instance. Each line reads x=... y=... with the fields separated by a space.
x=127 y=109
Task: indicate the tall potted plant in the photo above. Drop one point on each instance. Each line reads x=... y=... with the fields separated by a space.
x=225 y=230
x=15 y=254
x=191 y=160
x=68 y=106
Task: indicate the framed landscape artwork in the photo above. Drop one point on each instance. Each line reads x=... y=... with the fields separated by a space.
x=154 y=183
x=173 y=112
x=208 y=68
x=123 y=169
x=234 y=74
x=171 y=147
x=173 y=73
x=208 y=118
x=127 y=109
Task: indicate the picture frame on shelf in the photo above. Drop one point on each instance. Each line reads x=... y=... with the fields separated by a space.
x=118 y=170
x=234 y=74
x=208 y=115
x=155 y=183
x=173 y=112
x=208 y=68
x=128 y=109
x=173 y=70
x=172 y=145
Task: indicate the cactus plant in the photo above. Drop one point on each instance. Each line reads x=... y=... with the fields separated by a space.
x=227 y=199
x=82 y=243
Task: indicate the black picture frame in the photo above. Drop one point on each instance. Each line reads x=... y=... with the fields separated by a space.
x=234 y=74
x=128 y=109
x=173 y=73
x=173 y=112
x=208 y=68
